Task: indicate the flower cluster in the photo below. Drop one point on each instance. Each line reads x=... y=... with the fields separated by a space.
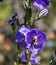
x=28 y=37
x=31 y=39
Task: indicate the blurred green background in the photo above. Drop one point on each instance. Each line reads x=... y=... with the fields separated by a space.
x=46 y=24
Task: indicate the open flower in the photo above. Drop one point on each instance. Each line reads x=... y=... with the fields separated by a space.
x=33 y=39
x=21 y=35
x=41 y=3
x=33 y=60
x=36 y=40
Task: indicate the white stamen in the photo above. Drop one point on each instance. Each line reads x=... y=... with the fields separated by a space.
x=35 y=40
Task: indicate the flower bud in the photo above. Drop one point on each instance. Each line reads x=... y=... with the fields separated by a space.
x=43 y=12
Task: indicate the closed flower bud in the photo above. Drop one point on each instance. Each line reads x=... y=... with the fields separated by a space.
x=43 y=12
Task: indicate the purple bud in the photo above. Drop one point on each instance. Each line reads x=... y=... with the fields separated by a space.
x=11 y=22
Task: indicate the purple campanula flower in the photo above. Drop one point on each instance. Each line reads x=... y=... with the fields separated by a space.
x=20 y=36
x=41 y=3
x=33 y=60
x=36 y=40
x=32 y=39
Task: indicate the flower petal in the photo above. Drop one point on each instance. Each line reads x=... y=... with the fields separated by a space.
x=23 y=58
x=35 y=60
x=24 y=30
x=35 y=51
x=20 y=36
x=41 y=3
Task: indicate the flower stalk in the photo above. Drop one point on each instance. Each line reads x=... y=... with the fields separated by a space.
x=28 y=37
x=28 y=14
x=27 y=57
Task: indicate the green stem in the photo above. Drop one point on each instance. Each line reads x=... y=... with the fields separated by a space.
x=28 y=14
x=28 y=63
x=27 y=57
x=17 y=21
x=38 y=18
